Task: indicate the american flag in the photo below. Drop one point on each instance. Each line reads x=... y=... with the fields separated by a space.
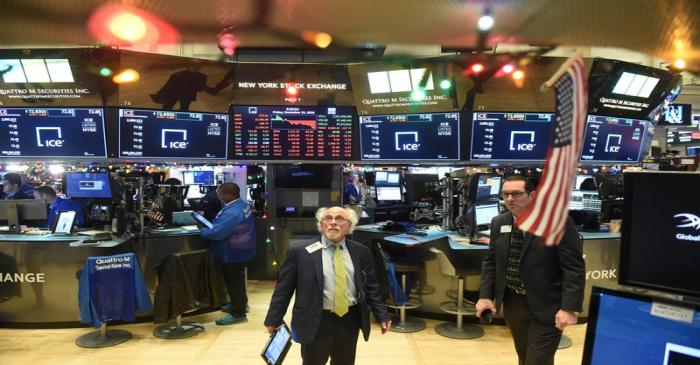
x=547 y=214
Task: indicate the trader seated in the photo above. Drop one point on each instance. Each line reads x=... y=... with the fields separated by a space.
x=47 y=195
x=12 y=187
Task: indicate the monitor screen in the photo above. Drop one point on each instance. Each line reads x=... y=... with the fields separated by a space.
x=169 y=134
x=681 y=136
x=389 y=193
x=303 y=176
x=393 y=178
x=677 y=114
x=405 y=137
x=203 y=177
x=628 y=328
x=485 y=186
x=52 y=132
x=417 y=189
x=381 y=177
x=692 y=150
x=87 y=185
x=585 y=200
x=292 y=132
x=483 y=213
x=661 y=232
x=612 y=140
x=580 y=178
x=510 y=136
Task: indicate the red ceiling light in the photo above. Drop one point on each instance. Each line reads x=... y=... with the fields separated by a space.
x=123 y=25
x=476 y=68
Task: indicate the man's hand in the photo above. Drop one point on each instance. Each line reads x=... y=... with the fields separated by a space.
x=270 y=329
x=486 y=240
x=564 y=318
x=484 y=304
x=386 y=326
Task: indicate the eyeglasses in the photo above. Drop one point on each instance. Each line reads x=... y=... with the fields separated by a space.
x=513 y=194
x=338 y=219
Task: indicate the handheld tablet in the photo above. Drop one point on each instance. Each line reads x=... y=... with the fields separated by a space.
x=277 y=346
x=203 y=221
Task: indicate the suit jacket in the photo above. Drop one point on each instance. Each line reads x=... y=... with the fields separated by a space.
x=303 y=272
x=553 y=277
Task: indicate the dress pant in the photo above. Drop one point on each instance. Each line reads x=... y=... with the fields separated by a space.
x=535 y=343
x=234 y=278
x=336 y=338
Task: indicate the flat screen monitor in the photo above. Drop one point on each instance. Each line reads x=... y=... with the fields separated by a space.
x=292 y=132
x=203 y=177
x=660 y=247
x=388 y=193
x=87 y=185
x=677 y=114
x=172 y=135
x=29 y=212
x=585 y=200
x=692 y=150
x=52 y=132
x=485 y=187
x=417 y=190
x=393 y=178
x=483 y=213
x=304 y=176
x=410 y=137
x=510 y=136
x=612 y=140
x=381 y=177
x=629 y=328
x=581 y=178
x=682 y=136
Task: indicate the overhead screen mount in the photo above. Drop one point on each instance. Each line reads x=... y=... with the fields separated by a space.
x=293 y=132
x=52 y=132
x=172 y=135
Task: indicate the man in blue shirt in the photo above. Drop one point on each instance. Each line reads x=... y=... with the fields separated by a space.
x=47 y=195
x=12 y=187
x=233 y=246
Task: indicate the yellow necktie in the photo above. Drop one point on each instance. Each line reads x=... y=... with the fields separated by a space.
x=340 y=302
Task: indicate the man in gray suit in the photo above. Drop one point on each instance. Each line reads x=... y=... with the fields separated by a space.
x=541 y=287
x=335 y=290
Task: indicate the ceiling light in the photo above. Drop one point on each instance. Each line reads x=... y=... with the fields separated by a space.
x=486 y=21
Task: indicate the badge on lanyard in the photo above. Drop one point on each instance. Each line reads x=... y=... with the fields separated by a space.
x=506 y=229
x=314 y=247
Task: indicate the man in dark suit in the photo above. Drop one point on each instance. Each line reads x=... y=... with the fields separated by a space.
x=541 y=287
x=335 y=291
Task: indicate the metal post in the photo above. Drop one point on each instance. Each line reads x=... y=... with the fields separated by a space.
x=103 y=330
x=460 y=297
x=402 y=310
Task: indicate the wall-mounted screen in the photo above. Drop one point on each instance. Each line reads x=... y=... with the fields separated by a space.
x=169 y=134
x=612 y=140
x=52 y=132
x=677 y=114
x=683 y=135
x=510 y=136
x=404 y=137
x=88 y=185
x=292 y=132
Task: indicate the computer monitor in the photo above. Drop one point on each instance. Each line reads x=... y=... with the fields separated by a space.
x=660 y=247
x=389 y=193
x=580 y=178
x=393 y=178
x=585 y=200
x=87 y=185
x=629 y=328
x=484 y=213
x=380 y=177
x=613 y=140
x=203 y=177
x=416 y=189
x=692 y=151
x=29 y=212
x=485 y=187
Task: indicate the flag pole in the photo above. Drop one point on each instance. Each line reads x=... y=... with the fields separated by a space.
x=560 y=72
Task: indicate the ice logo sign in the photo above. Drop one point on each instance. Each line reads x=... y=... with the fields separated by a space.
x=180 y=143
x=49 y=137
x=614 y=148
x=522 y=140
x=406 y=141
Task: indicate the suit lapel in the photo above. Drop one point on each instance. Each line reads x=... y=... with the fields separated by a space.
x=354 y=255
x=508 y=220
x=317 y=262
x=527 y=240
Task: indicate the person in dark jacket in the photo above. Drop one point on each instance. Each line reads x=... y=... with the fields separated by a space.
x=233 y=246
x=47 y=195
x=12 y=187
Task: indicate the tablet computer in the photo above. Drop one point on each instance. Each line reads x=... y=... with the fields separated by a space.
x=203 y=221
x=277 y=346
x=63 y=222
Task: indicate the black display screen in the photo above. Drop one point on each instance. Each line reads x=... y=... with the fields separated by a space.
x=292 y=132
x=402 y=137
x=169 y=134
x=612 y=140
x=510 y=136
x=52 y=132
x=680 y=136
x=677 y=114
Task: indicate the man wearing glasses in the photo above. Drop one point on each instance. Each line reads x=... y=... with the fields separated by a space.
x=541 y=287
x=335 y=291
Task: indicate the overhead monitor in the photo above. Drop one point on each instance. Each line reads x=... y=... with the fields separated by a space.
x=630 y=328
x=87 y=185
x=677 y=114
x=292 y=132
x=660 y=247
x=682 y=136
x=52 y=132
x=172 y=135
x=612 y=140
x=410 y=137
x=484 y=213
x=203 y=177
x=510 y=136
x=304 y=176
x=692 y=151
x=484 y=186
x=389 y=193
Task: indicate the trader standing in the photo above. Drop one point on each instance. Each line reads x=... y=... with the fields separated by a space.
x=335 y=290
x=541 y=287
x=233 y=246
